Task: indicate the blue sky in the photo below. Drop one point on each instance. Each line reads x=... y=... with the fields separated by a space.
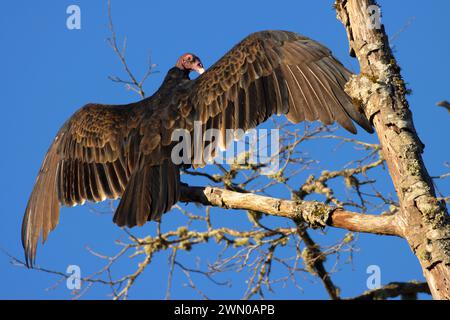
x=50 y=71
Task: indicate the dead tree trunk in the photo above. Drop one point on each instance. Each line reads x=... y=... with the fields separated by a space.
x=422 y=219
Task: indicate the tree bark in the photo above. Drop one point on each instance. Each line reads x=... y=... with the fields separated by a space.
x=422 y=220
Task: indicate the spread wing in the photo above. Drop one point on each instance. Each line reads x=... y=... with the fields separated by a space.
x=91 y=158
x=275 y=72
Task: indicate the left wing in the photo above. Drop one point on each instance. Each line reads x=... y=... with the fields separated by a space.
x=274 y=72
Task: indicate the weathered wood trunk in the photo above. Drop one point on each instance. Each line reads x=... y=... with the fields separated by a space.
x=422 y=219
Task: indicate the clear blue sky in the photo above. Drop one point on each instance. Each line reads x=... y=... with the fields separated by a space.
x=49 y=71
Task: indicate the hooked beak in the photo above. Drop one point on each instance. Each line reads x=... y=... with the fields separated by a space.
x=200 y=70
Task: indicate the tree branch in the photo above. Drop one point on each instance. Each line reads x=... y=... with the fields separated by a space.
x=315 y=258
x=133 y=84
x=407 y=291
x=314 y=213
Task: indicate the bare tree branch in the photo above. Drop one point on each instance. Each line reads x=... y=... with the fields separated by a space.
x=406 y=290
x=133 y=84
x=316 y=214
x=315 y=259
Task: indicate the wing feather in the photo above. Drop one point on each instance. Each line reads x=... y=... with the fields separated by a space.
x=276 y=72
x=86 y=162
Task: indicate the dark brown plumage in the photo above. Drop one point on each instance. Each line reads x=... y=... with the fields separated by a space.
x=123 y=151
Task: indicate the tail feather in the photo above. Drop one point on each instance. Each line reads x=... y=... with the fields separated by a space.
x=150 y=192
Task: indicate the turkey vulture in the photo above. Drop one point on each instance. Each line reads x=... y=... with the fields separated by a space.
x=123 y=151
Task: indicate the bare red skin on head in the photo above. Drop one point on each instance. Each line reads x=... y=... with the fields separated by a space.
x=189 y=61
x=181 y=63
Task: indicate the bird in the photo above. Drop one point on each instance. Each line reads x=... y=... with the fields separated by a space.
x=124 y=151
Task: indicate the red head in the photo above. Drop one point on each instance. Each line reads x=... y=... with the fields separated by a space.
x=190 y=62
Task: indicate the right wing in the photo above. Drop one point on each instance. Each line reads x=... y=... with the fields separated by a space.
x=91 y=158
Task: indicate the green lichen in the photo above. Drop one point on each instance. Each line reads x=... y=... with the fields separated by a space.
x=308 y=260
x=424 y=255
x=240 y=242
x=258 y=237
x=148 y=249
x=349 y=237
x=434 y=213
x=153 y=247
x=414 y=167
x=278 y=177
x=311 y=256
x=314 y=213
x=182 y=232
